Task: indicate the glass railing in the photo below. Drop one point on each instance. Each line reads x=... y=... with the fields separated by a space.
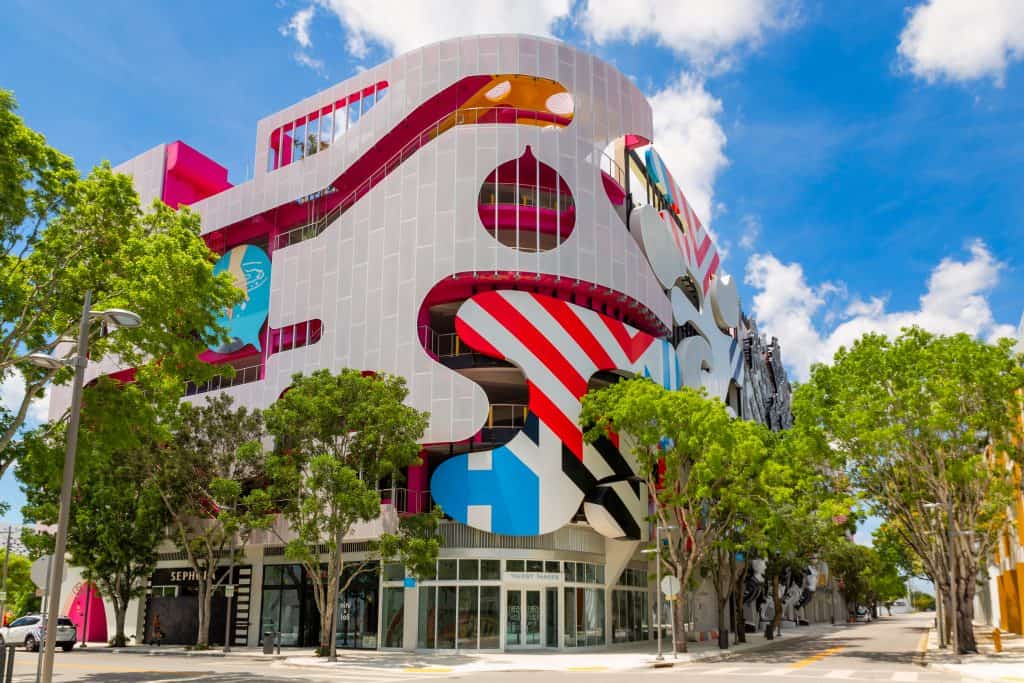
x=471 y=116
x=244 y=375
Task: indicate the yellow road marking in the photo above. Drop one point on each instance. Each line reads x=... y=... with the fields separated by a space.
x=816 y=658
x=428 y=669
x=588 y=668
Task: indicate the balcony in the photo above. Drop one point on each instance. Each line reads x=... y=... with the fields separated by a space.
x=452 y=352
x=406 y=501
x=246 y=375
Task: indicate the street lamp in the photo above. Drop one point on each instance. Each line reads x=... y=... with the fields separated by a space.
x=119 y=318
x=657 y=553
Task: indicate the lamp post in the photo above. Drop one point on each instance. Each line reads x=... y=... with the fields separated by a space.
x=657 y=569
x=118 y=318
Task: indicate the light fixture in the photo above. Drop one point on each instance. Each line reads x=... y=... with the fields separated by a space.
x=119 y=317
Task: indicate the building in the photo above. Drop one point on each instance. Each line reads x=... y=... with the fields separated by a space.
x=1002 y=605
x=486 y=217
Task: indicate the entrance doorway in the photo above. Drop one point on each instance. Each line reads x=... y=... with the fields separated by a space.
x=531 y=618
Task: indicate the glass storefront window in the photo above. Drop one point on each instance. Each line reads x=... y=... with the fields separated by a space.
x=490 y=570
x=570 y=571
x=447 y=570
x=515 y=565
x=584 y=623
x=468 y=617
x=428 y=618
x=513 y=617
x=551 y=567
x=469 y=570
x=534 y=566
x=490 y=615
x=394 y=571
x=447 y=610
x=393 y=616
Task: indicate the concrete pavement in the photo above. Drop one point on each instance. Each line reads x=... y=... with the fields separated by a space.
x=887 y=650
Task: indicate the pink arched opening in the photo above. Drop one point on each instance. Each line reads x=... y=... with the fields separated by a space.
x=88 y=596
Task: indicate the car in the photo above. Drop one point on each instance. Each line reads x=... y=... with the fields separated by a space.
x=29 y=631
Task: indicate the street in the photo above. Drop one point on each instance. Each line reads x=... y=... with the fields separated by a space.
x=886 y=650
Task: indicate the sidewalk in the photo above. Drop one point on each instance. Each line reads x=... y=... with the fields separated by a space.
x=987 y=665
x=181 y=651
x=622 y=657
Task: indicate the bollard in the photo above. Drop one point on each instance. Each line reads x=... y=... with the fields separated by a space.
x=7 y=662
x=997 y=640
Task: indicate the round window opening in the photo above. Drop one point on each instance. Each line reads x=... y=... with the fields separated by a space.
x=525 y=204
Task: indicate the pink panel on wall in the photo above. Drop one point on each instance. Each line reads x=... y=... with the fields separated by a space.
x=190 y=175
x=96 y=630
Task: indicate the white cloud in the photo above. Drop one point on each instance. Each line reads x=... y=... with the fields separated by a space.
x=12 y=393
x=298 y=26
x=963 y=40
x=751 y=231
x=689 y=138
x=786 y=306
x=400 y=26
x=706 y=31
x=306 y=60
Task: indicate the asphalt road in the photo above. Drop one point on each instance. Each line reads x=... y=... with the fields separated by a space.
x=882 y=651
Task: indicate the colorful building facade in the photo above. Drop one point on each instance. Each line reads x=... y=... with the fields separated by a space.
x=488 y=218
x=1003 y=604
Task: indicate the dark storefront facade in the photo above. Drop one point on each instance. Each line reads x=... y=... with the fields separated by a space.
x=173 y=604
x=289 y=608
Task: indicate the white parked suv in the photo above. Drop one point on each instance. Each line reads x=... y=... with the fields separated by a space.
x=28 y=630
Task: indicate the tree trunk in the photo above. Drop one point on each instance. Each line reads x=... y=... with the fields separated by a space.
x=776 y=625
x=120 y=610
x=740 y=618
x=205 y=597
x=965 y=611
x=723 y=624
x=679 y=619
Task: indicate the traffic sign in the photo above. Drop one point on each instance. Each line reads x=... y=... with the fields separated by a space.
x=670 y=586
x=40 y=569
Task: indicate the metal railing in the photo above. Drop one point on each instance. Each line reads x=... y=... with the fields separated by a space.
x=512 y=194
x=443 y=344
x=470 y=116
x=244 y=375
x=406 y=500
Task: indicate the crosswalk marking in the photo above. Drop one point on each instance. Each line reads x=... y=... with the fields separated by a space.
x=781 y=671
x=839 y=673
x=905 y=676
x=724 y=670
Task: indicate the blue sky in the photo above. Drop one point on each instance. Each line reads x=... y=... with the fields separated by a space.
x=860 y=163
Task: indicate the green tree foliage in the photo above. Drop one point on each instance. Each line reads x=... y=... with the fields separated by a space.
x=117 y=520
x=869 y=578
x=335 y=438
x=21 y=592
x=806 y=511
x=205 y=474
x=705 y=459
x=62 y=234
x=922 y=420
x=922 y=602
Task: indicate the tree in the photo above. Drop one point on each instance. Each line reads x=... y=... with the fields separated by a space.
x=806 y=509
x=696 y=461
x=117 y=520
x=925 y=424
x=62 y=234
x=205 y=474
x=922 y=602
x=21 y=591
x=335 y=438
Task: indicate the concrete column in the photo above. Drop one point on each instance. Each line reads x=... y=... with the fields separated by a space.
x=410 y=625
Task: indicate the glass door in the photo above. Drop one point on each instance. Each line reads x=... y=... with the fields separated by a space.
x=524 y=616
